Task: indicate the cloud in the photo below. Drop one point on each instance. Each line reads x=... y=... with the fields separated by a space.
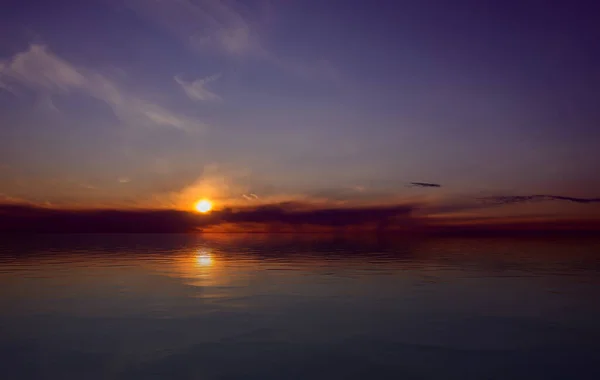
x=334 y=217
x=28 y=218
x=9 y=199
x=224 y=27
x=46 y=105
x=510 y=199
x=197 y=90
x=351 y=195
x=398 y=219
x=39 y=69
x=424 y=184
x=202 y=24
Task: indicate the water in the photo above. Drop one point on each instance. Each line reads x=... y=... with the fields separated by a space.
x=297 y=307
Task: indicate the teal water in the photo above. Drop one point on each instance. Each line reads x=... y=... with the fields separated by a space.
x=298 y=307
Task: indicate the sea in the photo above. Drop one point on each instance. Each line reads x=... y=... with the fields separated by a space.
x=219 y=306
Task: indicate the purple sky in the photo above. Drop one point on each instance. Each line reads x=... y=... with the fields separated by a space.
x=158 y=103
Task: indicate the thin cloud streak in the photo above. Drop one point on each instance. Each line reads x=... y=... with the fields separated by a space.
x=196 y=90
x=41 y=70
x=511 y=199
x=424 y=184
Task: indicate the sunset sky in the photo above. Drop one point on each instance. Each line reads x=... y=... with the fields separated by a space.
x=156 y=104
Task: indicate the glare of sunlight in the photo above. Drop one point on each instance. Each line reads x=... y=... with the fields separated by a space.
x=203 y=258
x=203 y=206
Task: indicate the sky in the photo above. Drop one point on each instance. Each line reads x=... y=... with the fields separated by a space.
x=156 y=103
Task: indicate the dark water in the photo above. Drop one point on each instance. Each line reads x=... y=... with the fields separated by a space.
x=311 y=307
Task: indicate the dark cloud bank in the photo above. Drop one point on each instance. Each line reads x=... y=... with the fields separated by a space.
x=396 y=219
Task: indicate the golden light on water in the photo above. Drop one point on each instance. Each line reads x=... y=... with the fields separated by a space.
x=204 y=258
x=203 y=206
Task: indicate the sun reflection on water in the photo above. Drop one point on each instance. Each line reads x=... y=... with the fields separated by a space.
x=204 y=258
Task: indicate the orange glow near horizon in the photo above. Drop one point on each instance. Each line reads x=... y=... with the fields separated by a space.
x=203 y=206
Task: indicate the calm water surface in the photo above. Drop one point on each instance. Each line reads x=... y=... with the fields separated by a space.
x=304 y=307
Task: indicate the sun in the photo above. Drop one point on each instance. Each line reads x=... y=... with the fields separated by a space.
x=203 y=206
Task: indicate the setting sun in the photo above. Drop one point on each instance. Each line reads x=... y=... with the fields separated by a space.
x=203 y=206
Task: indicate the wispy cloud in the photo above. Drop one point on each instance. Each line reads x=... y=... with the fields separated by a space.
x=9 y=199
x=202 y=24
x=250 y=197
x=46 y=105
x=87 y=186
x=424 y=184
x=197 y=90
x=225 y=27
x=39 y=69
x=509 y=199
